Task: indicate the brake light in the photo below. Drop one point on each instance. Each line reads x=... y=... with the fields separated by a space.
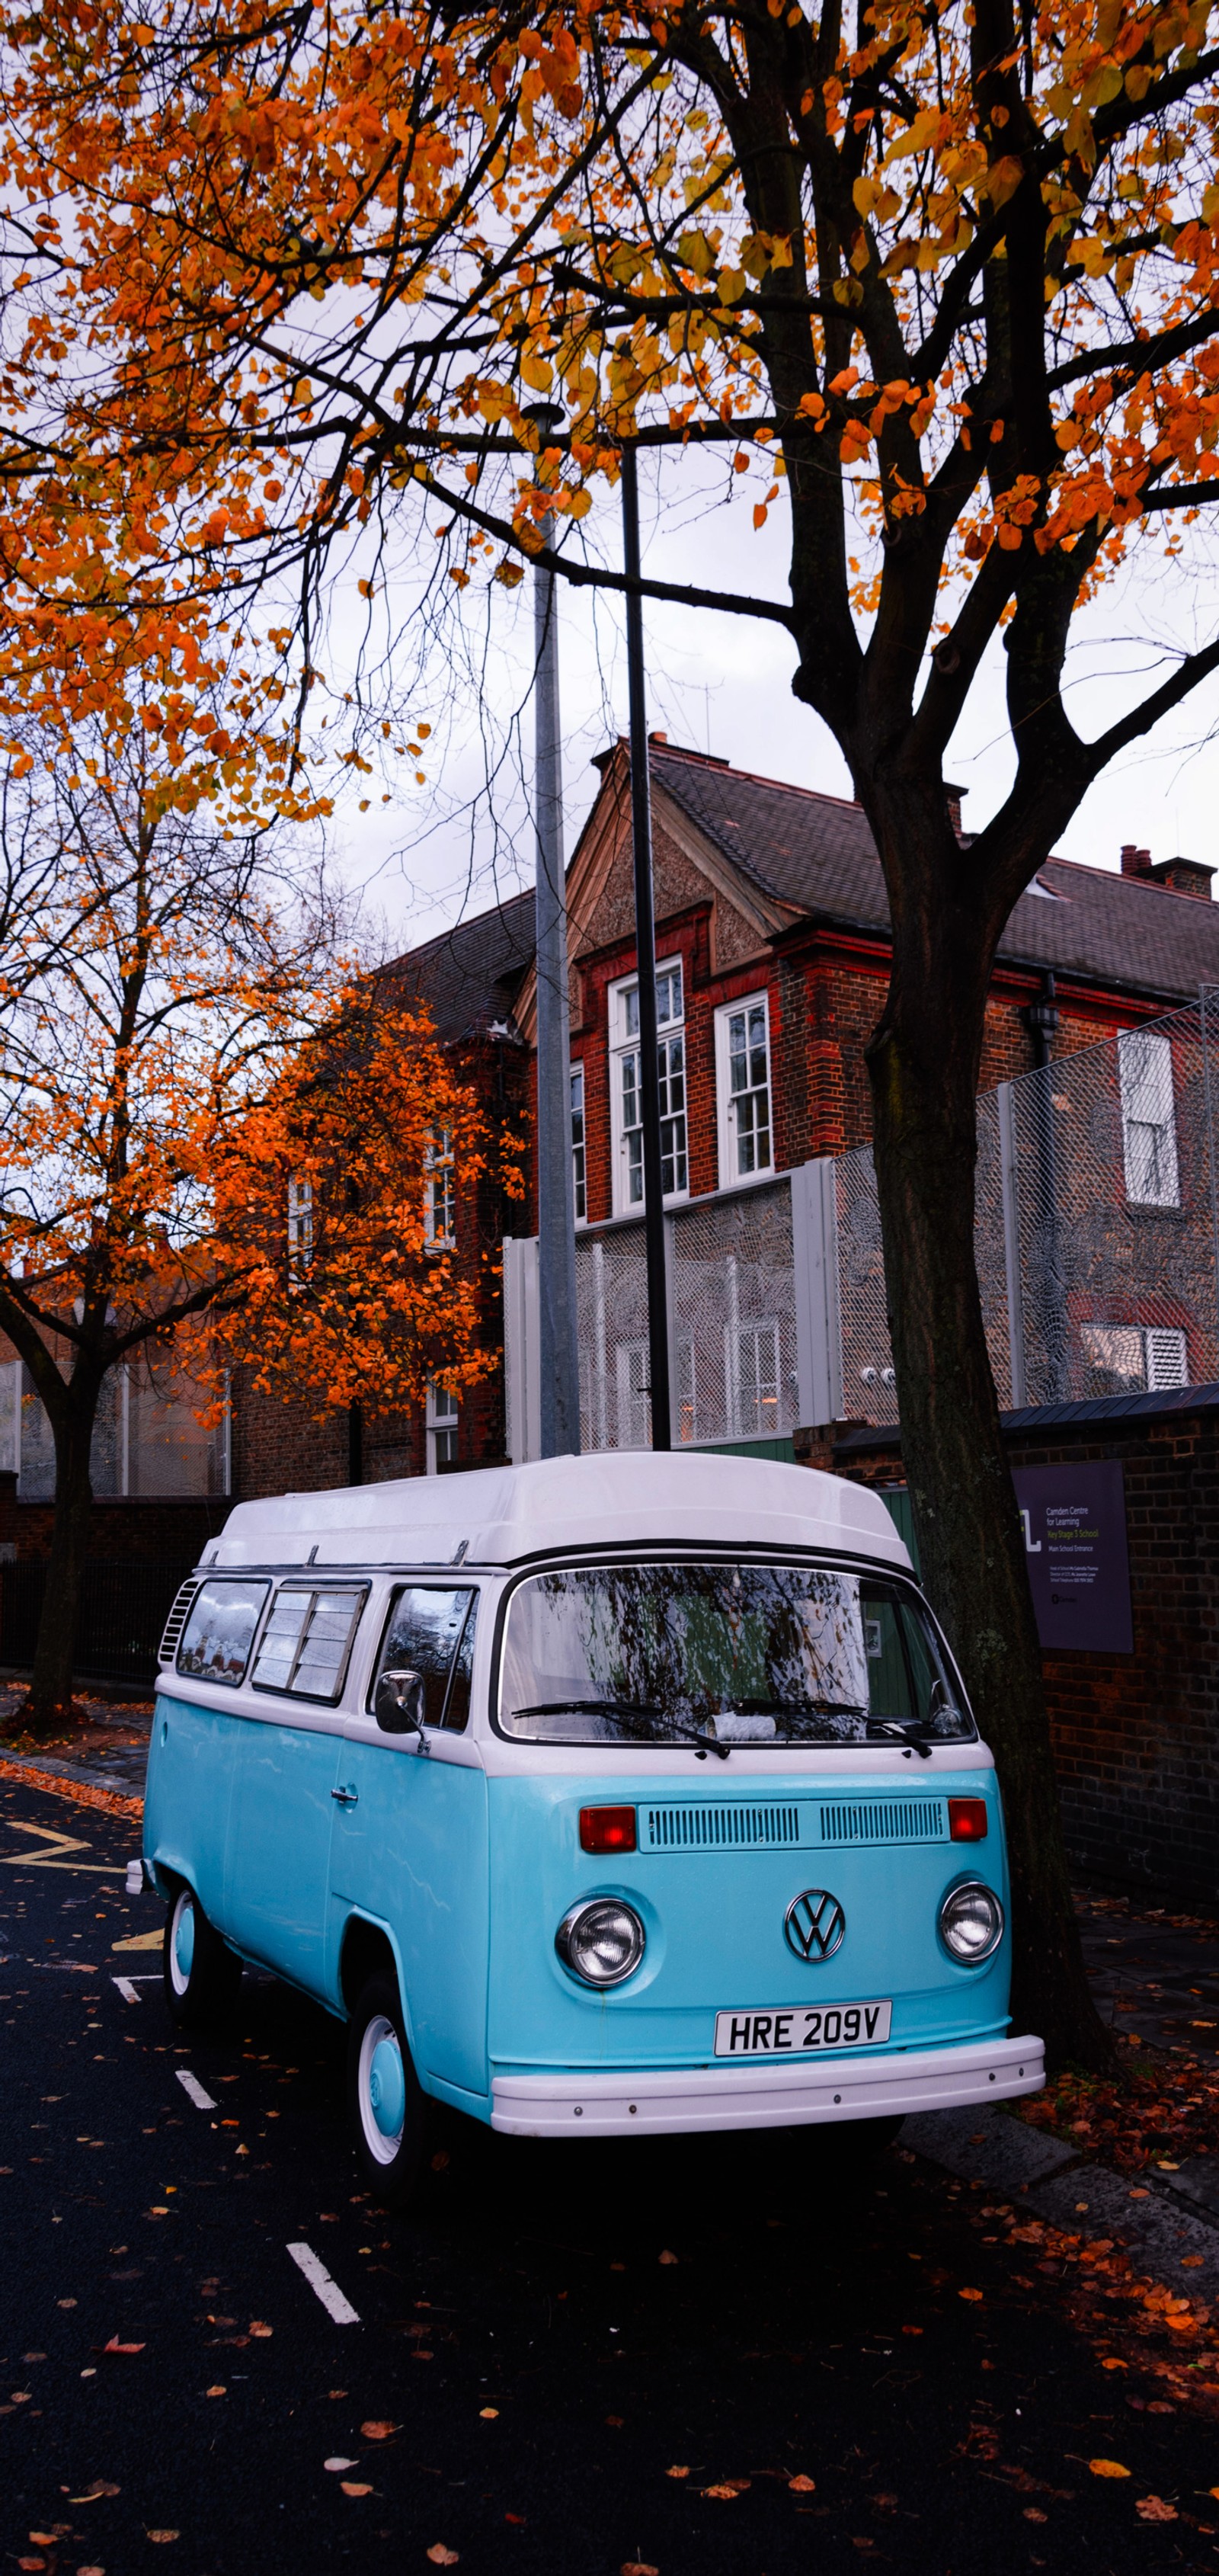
x=967 y=1820
x=607 y=1829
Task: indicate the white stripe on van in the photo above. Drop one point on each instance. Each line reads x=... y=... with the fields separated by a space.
x=328 y=2291
x=191 y=2085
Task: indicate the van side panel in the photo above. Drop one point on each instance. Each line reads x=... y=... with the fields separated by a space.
x=192 y=1760
x=411 y=1853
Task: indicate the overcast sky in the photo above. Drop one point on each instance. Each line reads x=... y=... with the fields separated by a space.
x=723 y=684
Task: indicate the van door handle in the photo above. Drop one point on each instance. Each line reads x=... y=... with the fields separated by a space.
x=346 y=1797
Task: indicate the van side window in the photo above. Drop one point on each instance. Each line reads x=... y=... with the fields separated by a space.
x=306 y=1641
x=431 y=1631
x=219 y=1633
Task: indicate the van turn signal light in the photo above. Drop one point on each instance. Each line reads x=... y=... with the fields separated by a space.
x=612 y=1829
x=967 y=1820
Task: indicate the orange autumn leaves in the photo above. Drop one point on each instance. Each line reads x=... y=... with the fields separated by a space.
x=364 y=1298
x=384 y=201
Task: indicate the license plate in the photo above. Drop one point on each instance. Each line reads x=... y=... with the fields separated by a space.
x=791 y=2033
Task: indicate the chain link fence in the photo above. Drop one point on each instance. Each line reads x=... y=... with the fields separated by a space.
x=1096 y=1231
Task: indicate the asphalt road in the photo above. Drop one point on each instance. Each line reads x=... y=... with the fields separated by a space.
x=553 y=2333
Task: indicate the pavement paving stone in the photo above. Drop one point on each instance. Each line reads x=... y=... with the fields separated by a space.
x=986 y=2146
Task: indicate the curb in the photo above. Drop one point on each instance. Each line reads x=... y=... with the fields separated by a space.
x=88 y=1788
x=1160 y=2221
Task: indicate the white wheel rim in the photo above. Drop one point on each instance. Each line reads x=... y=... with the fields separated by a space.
x=184 y=1906
x=378 y=2033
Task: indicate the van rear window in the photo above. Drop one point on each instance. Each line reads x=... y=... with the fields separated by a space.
x=219 y=1633
x=307 y=1639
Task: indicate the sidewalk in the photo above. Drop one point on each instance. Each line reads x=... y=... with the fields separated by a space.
x=113 y=1755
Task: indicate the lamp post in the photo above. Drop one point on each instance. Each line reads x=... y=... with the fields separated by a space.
x=558 y=1352
x=645 y=952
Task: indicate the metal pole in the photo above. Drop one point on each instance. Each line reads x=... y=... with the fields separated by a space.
x=645 y=951
x=559 y=1354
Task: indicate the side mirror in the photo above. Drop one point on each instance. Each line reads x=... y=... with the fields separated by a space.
x=398 y=1703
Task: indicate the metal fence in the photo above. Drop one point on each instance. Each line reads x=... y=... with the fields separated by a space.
x=124 y=1606
x=1097 y=1226
x=1097 y=1244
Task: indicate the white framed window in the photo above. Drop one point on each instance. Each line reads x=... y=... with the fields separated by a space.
x=1134 y=1358
x=1149 y=1125
x=439 y=1189
x=742 y=1082
x=579 y=1172
x=752 y=1353
x=626 y=1097
x=300 y=1231
x=441 y=1426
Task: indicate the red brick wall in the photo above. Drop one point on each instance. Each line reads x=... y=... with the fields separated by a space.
x=1136 y=1737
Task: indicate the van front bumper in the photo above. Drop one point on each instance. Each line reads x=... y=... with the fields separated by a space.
x=765 y=2095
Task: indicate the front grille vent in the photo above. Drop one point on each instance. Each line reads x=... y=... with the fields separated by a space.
x=884 y=1820
x=720 y=1828
x=177 y=1619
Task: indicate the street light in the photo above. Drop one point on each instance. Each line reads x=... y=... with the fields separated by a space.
x=558 y=1349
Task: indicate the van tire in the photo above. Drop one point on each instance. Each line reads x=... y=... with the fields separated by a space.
x=385 y=2100
x=201 y=1973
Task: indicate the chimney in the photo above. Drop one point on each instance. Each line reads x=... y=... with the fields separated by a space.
x=953 y=797
x=1185 y=876
x=1135 y=862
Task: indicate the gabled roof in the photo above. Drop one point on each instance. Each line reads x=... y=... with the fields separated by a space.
x=470 y=975
x=817 y=852
x=814 y=855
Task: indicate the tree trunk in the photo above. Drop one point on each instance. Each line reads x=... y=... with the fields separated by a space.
x=49 y=1706
x=924 y=1064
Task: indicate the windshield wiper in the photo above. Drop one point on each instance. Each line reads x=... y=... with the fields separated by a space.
x=908 y=1731
x=704 y=1744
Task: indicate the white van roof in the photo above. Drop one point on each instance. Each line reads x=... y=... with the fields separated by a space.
x=502 y=1515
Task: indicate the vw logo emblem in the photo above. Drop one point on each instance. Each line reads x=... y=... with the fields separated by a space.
x=814 y=1925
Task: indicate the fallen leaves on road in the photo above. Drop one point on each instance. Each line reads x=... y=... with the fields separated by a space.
x=1154 y=2509
x=666 y=2257
x=258 y=2328
x=728 y=2490
x=1108 y=2469
x=115 y=2346
x=164 y=2535
x=218 y=2391
x=354 y=2486
x=99 y=2487
x=677 y=2473
x=638 y=2567
x=336 y=2465
x=488 y=2413
x=969 y=2294
x=802 y=2486
x=440 y=2556
x=379 y=2432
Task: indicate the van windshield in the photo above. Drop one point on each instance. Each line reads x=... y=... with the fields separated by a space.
x=740 y=1654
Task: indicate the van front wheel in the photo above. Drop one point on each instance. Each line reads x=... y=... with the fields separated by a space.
x=201 y=1974
x=387 y=2103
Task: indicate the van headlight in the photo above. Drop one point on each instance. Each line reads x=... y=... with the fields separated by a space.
x=971 y=1921
x=601 y=1941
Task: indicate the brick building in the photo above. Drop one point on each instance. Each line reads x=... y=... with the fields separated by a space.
x=772 y=960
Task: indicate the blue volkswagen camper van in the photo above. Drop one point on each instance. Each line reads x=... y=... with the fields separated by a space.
x=605 y=1795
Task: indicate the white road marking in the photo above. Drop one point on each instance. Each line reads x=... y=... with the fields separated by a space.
x=191 y=2085
x=135 y=1878
x=328 y=2291
x=126 y=1989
